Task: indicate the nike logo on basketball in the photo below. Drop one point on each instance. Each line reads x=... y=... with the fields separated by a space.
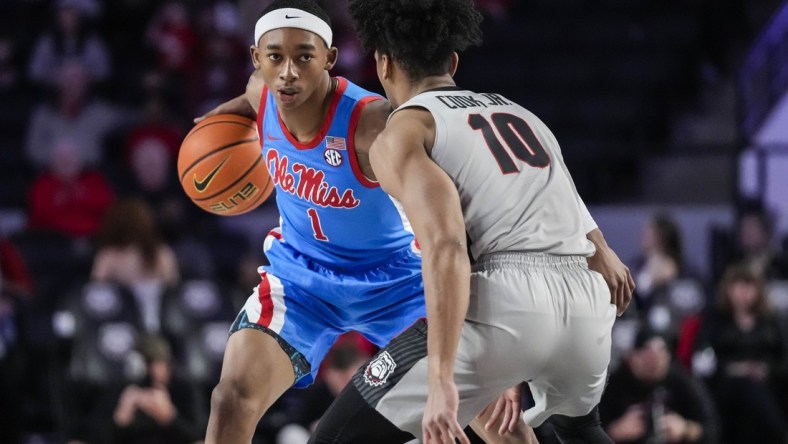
x=270 y=137
x=201 y=185
x=291 y=17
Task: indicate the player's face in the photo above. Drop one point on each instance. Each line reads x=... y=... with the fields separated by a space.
x=293 y=63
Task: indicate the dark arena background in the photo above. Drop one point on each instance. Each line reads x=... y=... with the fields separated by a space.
x=672 y=116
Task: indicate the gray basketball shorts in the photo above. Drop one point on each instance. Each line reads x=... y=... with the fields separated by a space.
x=538 y=318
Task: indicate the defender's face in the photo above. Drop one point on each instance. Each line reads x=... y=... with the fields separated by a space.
x=292 y=62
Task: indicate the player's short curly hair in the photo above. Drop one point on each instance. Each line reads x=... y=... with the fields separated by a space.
x=420 y=34
x=309 y=6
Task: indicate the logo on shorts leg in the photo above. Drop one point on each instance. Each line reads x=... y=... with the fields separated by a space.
x=379 y=369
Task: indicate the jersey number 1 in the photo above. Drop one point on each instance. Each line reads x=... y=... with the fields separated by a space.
x=517 y=135
x=316 y=228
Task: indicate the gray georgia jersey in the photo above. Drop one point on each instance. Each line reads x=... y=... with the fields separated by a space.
x=515 y=190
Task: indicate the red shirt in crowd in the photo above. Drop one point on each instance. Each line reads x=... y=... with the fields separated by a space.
x=71 y=207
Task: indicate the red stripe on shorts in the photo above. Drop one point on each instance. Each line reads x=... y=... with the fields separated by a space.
x=267 y=304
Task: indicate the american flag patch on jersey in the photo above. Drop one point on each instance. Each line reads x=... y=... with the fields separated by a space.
x=335 y=143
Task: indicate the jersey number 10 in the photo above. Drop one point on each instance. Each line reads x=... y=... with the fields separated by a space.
x=517 y=135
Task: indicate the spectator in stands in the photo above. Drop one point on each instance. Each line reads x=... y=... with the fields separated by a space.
x=662 y=260
x=660 y=265
x=151 y=155
x=155 y=126
x=755 y=244
x=160 y=409
x=172 y=37
x=68 y=198
x=152 y=148
x=650 y=400
x=129 y=249
x=16 y=288
x=221 y=67
x=221 y=61
x=70 y=40
x=746 y=341
x=87 y=122
x=152 y=408
x=130 y=252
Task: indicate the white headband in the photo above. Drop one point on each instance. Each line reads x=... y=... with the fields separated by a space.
x=292 y=18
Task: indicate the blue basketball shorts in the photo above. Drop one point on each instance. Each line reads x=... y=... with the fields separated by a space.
x=306 y=306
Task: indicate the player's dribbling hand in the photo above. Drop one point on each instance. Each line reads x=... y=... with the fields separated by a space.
x=440 y=425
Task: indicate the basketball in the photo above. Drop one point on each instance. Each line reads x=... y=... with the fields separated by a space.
x=221 y=167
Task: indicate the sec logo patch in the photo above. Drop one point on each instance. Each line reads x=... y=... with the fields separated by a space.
x=379 y=369
x=333 y=157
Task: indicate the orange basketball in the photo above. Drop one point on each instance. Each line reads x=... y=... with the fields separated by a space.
x=221 y=167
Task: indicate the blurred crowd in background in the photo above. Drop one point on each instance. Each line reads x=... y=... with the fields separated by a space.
x=117 y=293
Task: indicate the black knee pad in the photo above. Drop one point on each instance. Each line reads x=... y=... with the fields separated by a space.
x=580 y=429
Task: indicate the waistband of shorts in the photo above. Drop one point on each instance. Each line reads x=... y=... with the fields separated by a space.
x=359 y=266
x=507 y=259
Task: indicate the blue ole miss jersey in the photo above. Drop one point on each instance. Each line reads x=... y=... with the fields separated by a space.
x=329 y=211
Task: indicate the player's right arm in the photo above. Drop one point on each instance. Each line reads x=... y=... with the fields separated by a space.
x=431 y=202
x=244 y=105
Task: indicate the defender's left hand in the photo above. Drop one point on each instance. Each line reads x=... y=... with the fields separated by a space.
x=617 y=276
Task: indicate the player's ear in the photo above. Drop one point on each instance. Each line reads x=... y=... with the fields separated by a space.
x=331 y=58
x=455 y=60
x=254 y=52
x=385 y=65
